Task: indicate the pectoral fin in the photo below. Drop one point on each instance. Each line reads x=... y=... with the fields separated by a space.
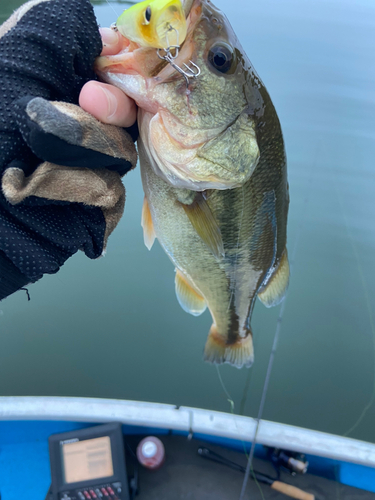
x=148 y=226
x=189 y=298
x=205 y=224
x=275 y=290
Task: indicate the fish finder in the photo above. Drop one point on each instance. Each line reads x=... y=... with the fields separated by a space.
x=89 y=464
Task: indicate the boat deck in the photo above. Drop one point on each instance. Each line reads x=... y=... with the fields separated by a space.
x=24 y=467
x=186 y=475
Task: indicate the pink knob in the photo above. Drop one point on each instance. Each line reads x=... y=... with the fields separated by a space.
x=151 y=453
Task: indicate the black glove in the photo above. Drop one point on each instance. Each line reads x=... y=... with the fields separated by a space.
x=61 y=169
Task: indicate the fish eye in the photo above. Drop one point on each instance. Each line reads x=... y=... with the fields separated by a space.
x=221 y=57
x=148 y=15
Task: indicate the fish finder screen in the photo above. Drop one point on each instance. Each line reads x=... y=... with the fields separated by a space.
x=89 y=459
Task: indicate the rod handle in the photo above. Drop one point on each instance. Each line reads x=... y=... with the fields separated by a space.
x=291 y=491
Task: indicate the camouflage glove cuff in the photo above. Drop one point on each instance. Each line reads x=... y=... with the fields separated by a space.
x=60 y=168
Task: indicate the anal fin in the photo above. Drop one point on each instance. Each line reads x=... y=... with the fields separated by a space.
x=188 y=297
x=205 y=224
x=275 y=290
x=148 y=226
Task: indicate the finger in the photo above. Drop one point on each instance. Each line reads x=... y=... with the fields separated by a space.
x=108 y=104
x=111 y=41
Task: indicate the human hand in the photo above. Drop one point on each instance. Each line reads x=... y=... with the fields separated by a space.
x=106 y=102
x=60 y=168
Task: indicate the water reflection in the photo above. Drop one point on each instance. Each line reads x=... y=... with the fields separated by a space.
x=113 y=328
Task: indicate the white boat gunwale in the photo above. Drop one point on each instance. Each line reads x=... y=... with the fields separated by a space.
x=189 y=420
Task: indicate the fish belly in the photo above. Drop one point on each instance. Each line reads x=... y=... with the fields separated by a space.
x=227 y=284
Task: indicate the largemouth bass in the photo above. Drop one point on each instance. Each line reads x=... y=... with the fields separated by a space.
x=213 y=168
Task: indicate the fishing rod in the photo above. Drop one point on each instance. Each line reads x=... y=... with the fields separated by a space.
x=272 y=355
x=275 y=484
x=263 y=400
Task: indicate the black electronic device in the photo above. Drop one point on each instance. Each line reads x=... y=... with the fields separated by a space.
x=89 y=464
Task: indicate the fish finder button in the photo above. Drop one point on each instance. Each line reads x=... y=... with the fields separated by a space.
x=117 y=486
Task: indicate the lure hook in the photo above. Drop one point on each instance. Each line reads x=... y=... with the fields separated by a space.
x=188 y=72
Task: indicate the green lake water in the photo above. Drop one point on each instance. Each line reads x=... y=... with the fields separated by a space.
x=113 y=328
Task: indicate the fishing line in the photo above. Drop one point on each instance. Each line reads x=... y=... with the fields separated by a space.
x=129 y=2
x=231 y=402
x=224 y=388
x=274 y=345
x=245 y=392
x=263 y=399
x=116 y=14
x=337 y=480
x=368 y=304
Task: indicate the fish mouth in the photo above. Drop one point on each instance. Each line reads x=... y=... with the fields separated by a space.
x=148 y=62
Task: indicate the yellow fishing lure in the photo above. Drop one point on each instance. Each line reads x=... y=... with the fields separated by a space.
x=154 y=23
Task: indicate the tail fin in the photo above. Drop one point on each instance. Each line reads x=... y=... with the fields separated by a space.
x=239 y=354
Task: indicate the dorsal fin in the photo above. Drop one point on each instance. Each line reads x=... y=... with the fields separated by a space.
x=189 y=298
x=275 y=290
x=147 y=224
x=205 y=224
